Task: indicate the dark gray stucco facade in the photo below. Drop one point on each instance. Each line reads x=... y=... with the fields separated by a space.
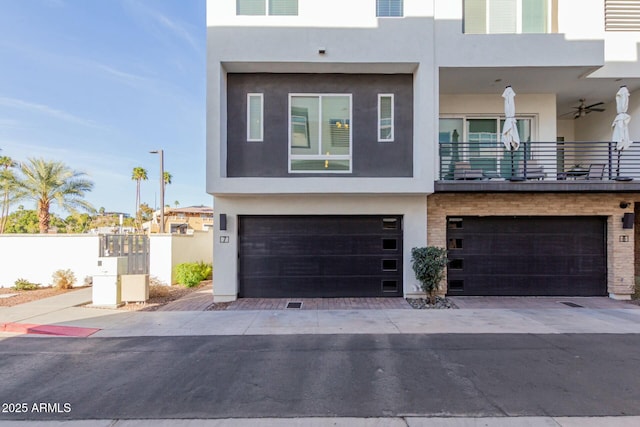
x=370 y=158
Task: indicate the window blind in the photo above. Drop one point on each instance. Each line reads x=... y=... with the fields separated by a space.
x=534 y=16
x=475 y=17
x=389 y=8
x=622 y=15
x=250 y=7
x=502 y=17
x=283 y=7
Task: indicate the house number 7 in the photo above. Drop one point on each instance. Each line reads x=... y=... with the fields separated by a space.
x=224 y=239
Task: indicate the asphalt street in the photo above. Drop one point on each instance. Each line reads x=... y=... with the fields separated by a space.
x=320 y=376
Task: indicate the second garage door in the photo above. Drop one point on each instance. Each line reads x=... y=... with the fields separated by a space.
x=537 y=256
x=320 y=256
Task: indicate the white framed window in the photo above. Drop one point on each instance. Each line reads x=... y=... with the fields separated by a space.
x=385 y=117
x=506 y=16
x=320 y=133
x=255 y=116
x=267 y=7
x=385 y=8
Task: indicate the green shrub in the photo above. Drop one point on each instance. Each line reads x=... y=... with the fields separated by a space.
x=25 y=285
x=191 y=274
x=428 y=265
x=63 y=279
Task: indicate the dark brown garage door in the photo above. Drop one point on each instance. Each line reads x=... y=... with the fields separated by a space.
x=527 y=256
x=320 y=256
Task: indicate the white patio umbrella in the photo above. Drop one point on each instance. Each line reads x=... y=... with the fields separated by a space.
x=620 y=124
x=510 y=137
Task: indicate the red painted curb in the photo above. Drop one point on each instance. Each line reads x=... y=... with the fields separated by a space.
x=63 y=331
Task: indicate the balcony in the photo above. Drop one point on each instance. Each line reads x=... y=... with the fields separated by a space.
x=538 y=167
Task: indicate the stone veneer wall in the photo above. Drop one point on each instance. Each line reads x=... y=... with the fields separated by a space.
x=620 y=255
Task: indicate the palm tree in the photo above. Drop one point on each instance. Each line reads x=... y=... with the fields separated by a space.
x=139 y=174
x=7 y=179
x=47 y=182
x=167 y=178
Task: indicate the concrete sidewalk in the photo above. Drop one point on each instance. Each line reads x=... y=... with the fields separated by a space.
x=553 y=318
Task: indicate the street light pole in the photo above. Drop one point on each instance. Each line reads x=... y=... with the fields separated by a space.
x=161 y=152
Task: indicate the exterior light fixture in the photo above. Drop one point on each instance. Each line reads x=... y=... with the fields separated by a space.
x=223 y=222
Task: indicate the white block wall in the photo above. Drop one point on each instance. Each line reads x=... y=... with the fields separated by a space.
x=35 y=257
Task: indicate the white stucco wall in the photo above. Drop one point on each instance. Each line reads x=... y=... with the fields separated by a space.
x=364 y=44
x=540 y=106
x=566 y=129
x=191 y=248
x=413 y=209
x=160 y=266
x=597 y=126
x=35 y=257
x=169 y=250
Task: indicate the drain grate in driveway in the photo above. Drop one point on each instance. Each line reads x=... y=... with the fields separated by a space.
x=294 y=304
x=571 y=304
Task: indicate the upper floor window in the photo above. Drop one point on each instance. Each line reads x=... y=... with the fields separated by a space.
x=622 y=15
x=389 y=8
x=259 y=7
x=385 y=117
x=506 y=16
x=320 y=133
x=255 y=116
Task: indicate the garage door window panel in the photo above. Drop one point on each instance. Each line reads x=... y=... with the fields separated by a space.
x=390 y=244
x=320 y=134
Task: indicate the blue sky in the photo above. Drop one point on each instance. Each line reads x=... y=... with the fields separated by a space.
x=97 y=84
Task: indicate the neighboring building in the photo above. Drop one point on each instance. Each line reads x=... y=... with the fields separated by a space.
x=341 y=134
x=182 y=220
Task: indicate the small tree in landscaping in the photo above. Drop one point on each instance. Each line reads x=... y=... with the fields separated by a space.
x=428 y=265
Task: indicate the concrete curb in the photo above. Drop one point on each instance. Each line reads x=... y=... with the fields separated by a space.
x=630 y=421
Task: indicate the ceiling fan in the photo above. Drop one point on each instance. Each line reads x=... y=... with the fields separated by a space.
x=583 y=109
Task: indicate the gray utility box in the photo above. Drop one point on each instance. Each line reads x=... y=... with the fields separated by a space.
x=106 y=290
x=135 y=287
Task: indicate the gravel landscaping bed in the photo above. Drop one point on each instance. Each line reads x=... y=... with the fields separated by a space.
x=422 y=303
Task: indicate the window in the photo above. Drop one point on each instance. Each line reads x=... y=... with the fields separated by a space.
x=259 y=7
x=622 y=15
x=283 y=7
x=385 y=117
x=320 y=133
x=250 y=7
x=477 y=140
x=505 y=16
x=389 y=8
x=255 y=116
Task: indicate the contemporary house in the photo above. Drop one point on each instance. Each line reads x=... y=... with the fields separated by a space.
x=341 y=134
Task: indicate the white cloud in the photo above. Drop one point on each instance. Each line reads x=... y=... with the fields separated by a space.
x=46 y=110
x=178 y=29
x=128 y=78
